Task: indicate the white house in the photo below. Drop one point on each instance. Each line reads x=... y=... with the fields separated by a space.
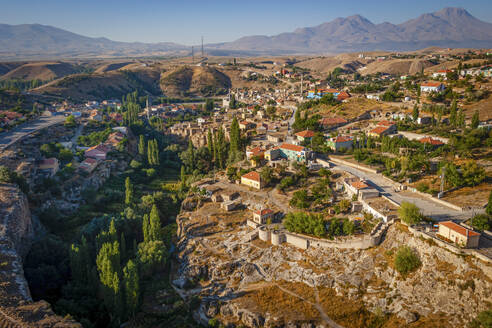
x=432 y=87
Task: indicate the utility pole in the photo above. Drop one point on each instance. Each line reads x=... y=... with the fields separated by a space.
x=193 y=54
x=202 y=46
x=443 y=175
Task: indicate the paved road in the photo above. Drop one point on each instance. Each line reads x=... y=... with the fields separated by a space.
x=427 y=206
x=21 y=131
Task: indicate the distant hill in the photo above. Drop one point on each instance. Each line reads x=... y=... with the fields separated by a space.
x=42 y=41
x=194 y=81
x=449 y=27
x=98 y=86
x=43 y=71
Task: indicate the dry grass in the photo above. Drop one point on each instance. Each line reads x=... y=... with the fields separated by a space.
x=470 y=196
x=273 y=300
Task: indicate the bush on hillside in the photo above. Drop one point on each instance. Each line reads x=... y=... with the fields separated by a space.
x=406 y=260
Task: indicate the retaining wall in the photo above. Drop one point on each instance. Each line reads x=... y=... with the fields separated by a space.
x=437 y=200
x=343 y=162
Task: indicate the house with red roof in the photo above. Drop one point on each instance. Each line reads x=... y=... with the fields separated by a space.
x=441 y=73
x=252 y=179
x=88 y=165
x=431 y=142
x=294 y=152
x=246 y=125
x=114 y=139
x=99 y=152
x=343 y=96
x=261 y=216
x=432 y=87
x=458 y=234
x=361 y=188
x=379 y=131
x=340 y=142
x=329 y=123
x=388 y=124
x=305 y=135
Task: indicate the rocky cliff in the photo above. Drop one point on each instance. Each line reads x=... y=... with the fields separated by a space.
x=16 y=232
x=256 y=284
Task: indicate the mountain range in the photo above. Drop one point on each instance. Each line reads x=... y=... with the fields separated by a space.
x=449 y=27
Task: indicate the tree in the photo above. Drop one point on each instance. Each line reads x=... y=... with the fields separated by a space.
x=475 y=120
x=210 y=143
x=409 y=213
x=70 y=121
x=266 y=175
x=235 y=137
x=146 y=227
x=141 y=146
x=128 y=191
x=300 y=199
x=151 y=256
x=132 y=287
x=472 y=174
x=461 y=118
x=191 y=151
x=301 y=222
x=348 y=227
x=488 y=209
x=481 y=222
x=108 y=266
x=406 y=260
x=415 y=113
x=233 y=102
x=209 y=105
x=6 y=175
x=453 y=113
x=155 y=224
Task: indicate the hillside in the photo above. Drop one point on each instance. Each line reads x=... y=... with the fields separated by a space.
x=99 y=86
x=194 y=81
x=112 y=67
x=396 y=66
x=43 y=71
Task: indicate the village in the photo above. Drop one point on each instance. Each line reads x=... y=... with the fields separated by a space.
x=299 y=165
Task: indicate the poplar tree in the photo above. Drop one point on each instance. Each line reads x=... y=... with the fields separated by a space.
x=235 y=137
x=141 y=145
x=461 y=118
x=108 y=266
x=155 y=224
x=210 y=142
x=452 y=113
x=183 y=175
x=132 y=287
x=123 y=245
x=128 y=191
x=415 y=113
x=475 y=120
x=146 y=227
x=192 y=154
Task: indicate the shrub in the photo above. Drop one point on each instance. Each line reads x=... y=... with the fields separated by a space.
x=481 y=222
x=409 y=213
x=301 y=222
x=406 y=260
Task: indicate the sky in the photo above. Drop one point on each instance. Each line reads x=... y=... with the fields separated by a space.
x=185 y=21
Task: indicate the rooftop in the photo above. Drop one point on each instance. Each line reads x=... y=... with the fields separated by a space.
x=459 y=229
x=253 y=175
x=305 y=134
x=291 y=147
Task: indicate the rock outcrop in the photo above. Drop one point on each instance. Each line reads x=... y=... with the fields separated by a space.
x=16 y=232
x=237 y=278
